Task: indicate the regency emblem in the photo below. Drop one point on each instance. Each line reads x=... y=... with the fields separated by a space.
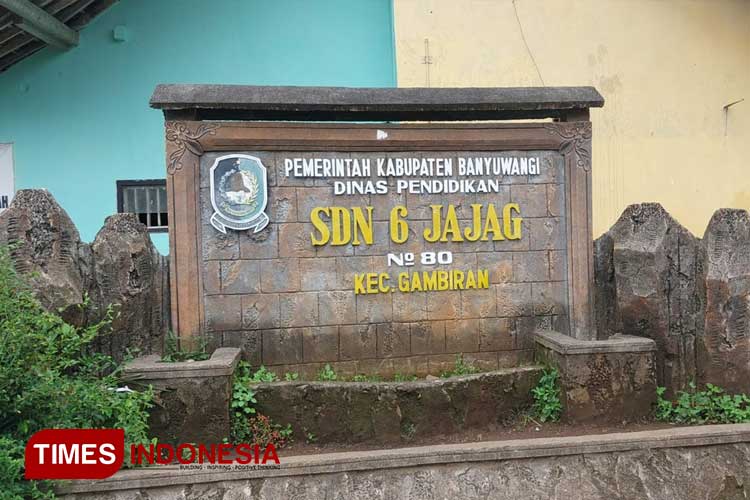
x=238 y=193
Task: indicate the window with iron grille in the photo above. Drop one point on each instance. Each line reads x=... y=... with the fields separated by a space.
x=147 y=199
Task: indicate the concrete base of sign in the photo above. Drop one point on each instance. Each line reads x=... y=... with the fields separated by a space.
x=687 y=463
x=602 y=380
x=193 y=396
x=388 y=412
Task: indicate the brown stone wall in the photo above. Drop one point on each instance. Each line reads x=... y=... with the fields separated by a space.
x=286 y=302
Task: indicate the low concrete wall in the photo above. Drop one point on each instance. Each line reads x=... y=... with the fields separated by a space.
x=708 y=462
x=351 y=412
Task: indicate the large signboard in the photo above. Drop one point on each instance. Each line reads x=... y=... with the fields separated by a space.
x=7 y=176
x=358 y=244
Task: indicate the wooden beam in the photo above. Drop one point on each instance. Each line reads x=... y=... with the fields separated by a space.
x=41 y=24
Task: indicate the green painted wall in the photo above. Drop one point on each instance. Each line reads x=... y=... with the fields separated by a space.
x=80 y=119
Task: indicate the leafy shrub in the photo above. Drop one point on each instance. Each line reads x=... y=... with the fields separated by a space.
x=710 y=406
x=173 y=352
x=50 y=379
x=291 y=376
x=326 y=374
x=263 y=375
x=264 y=431
x=249 y=426
x=361 y=377
x=404 y=378
x=460 y=367
x=547 y=406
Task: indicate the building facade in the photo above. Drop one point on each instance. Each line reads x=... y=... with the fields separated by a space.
x=79 y=120
x=675 y=129
x=669 y=72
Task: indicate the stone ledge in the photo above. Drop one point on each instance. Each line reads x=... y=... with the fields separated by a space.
x=567 y=345
x=680 y=437
x=221 y=364
x=220 y=102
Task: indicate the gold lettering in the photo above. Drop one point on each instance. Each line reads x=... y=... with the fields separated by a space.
x=399 y=227
x=434 y=235
x=341 y=222
x=451 y=226
x=359 y=284
x=515 y=232
x=476 y=215
x=491 y=225
x=362 y=225
x=321 y=226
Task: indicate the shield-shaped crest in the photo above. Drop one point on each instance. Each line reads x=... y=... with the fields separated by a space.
x=238 y=193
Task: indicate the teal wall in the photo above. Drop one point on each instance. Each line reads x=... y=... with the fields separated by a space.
x=80 y=119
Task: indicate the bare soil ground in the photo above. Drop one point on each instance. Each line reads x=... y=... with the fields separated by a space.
x=522 y=428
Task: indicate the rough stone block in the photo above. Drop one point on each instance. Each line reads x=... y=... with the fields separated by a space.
x=381 y=241
x=462 y=335
x=375 y=308
x=262 y=245
x=530 y=266
x=610 y=380
x=282 y=205
x=496 y=334
x=549 y=298
x=393 y=340
x=358 y=341
x=547 y=233
x=212 y=277
x=194 y=396
x=558 y=267
x=552 y=171
x=427 y=337
x=478 y=303
x=295 y=241
x=654 y=280
x=499 y=264
x=724 y=346
x=318 y=274
x=279 y=275
x=531 y=199
x=248 y=342
x=298 y=309
x=282 y=346
x=219 y=246
x=223 y=312
x=320 y=344
x=410 y=307
x=444 y=305
x=514 y=299
x=336 y=308
x=260 y=311
x=555 y=200
x=240 y=276
x=347 y=267
x=523 y=243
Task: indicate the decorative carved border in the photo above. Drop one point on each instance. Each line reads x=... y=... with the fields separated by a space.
x=576 y=137
x=187 y=141
x=184 y=137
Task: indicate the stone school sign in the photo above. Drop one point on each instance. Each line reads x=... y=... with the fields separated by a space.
x=378 y=247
